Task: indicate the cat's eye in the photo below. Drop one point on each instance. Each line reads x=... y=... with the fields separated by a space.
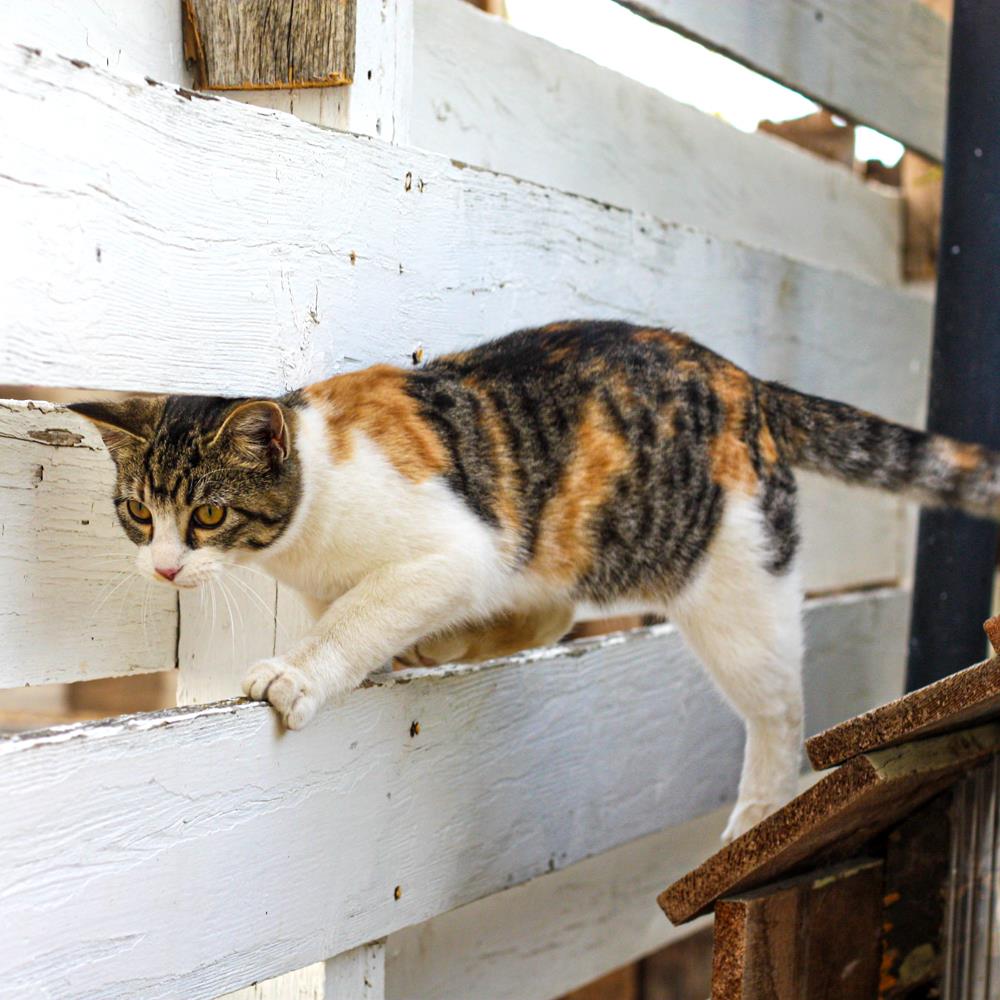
x=138 y=511
x=208 y=515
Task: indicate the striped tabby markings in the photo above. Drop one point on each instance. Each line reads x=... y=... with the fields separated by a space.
x=375 y=402
x=564 y=549
x=732 y=467
x=766 y=444
x=507 y=478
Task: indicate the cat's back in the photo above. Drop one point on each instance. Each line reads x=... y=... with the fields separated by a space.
x=586 y=351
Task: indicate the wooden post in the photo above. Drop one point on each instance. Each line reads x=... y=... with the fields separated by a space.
x=808 y=938
x=956 y=555
x=269 y=44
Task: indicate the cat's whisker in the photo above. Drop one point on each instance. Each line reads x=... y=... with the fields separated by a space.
x=261 y=603
x=144 y=613
x=239 y=613
x=232 y=623
x=110 y=588
x=211 y=594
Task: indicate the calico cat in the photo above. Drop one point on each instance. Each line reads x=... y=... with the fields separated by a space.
x=462 y=510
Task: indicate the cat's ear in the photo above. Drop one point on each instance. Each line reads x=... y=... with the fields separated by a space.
x=257 y=431
x=124 y=424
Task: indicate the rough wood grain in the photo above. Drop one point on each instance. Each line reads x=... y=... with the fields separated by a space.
x=298 y=841
x=489 y=94
x=962 y=699
x=681 y=971
x=143 y=40
x=555 y=932
x=563 y=121
x=130 y=39
x=918 y=856
x=278 y=304
x=71 y=607
x=970 y=959
x=834 y=818
x=269 y=44
x=356 y=975
x=378 y=102
x=810 y=938
x=882 y=64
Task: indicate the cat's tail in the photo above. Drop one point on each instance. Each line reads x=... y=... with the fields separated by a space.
x=859 y=447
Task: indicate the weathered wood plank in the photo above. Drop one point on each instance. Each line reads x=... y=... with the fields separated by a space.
x=278 y=304
x=970 y=959
x=269 y=44
x=653 y=153
x=132 y=40
x=808 y=938
x=489 y=94
x=71 y=607
x=554 y=933
x=299 y=841
x=379 y=100
x=145 y=40
x=882 y=64
x=962 y=699
x=834 y=818
x=356 y=975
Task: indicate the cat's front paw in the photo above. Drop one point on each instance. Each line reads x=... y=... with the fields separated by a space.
x=292 y=692
x=746 y=815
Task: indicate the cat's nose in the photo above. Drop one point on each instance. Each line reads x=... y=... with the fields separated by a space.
x=168 y=574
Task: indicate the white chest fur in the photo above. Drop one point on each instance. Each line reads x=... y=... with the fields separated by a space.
x=359 y=513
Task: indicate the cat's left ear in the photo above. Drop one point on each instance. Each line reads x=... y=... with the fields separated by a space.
x=124 y=424
x=257 y=431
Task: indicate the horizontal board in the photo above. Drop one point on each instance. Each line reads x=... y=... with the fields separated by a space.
x=567 y=122
x=303 y=845
x=882 y=64
x=320 y=251
x=554 y=933
x=71 y=606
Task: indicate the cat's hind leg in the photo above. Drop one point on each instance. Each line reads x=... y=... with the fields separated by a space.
x=744 y=620
x=503 y=635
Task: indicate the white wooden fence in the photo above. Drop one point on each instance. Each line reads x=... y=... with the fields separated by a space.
x=156 y=239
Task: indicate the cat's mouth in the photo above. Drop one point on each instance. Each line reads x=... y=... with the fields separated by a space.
x=179 y=584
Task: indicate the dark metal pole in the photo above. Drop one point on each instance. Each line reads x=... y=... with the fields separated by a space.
x=956 y=554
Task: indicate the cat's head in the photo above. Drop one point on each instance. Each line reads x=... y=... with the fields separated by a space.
x=202 y=481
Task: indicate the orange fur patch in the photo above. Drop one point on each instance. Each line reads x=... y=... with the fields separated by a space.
x=766 y=444
x=564 y=548
x=654 y=335
x=375 y=402
x=731 y=465
x=965 y=457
